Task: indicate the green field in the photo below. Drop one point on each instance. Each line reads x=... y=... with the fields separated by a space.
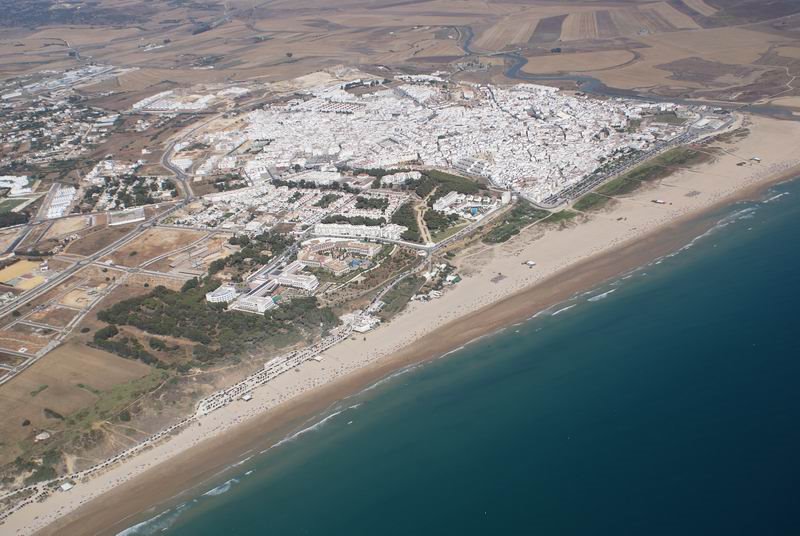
x=7 y=205
x=657 y=168
x=590 y=202
x=448 y=232
x=405 y=216
x=522 y=215
x=668 y=117
x=397 y=298
x=619 y=186
x=561 y=217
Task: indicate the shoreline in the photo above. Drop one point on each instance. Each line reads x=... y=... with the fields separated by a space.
x=204 y=454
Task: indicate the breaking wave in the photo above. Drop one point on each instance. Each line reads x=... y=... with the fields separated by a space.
x=395 y=374
x=567 y=308
x=774 y=197
x=241 y=462
x=292 y=437
x=222 y=488
x=156 y=524
x=601 y=296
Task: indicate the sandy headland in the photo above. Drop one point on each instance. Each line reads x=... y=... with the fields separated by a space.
x=498 y=289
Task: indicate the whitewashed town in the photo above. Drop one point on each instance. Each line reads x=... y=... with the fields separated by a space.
x=318 y=213
x=533 y=140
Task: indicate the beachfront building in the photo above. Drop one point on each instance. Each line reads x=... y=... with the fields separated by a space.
x=361 y=321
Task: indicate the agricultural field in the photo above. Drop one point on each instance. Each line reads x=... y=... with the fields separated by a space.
x=579 y=62
x=10 y=205
x=172 y=46
x=701 y=7
x=512 y=30
x=579 y=26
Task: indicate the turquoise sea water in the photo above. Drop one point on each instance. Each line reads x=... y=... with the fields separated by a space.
x=665 y=402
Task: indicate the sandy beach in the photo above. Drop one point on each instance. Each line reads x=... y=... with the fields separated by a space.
x=497 y=290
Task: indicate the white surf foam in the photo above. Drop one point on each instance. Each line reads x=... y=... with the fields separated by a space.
x=156 y=524
x=601 y=296
x=567 y=308
x=290 y=438
x=392 y=376
x=775 y=197
x=241 y=462
x=222 y=488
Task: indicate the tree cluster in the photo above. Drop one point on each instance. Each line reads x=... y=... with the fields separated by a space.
x=354 y=220
x=187 y=315
x=374 y=203
x=405 y=216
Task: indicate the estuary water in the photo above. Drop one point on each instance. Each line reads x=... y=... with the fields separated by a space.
x=665 y=402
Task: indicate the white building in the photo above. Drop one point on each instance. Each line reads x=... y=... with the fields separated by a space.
x=390 y=231
x=61 y=201
x=222 y=294
x=399 y=179
x=444 y=202
x=320 y=178
x=254 y=304
x=290 y=278
x=309 y=283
